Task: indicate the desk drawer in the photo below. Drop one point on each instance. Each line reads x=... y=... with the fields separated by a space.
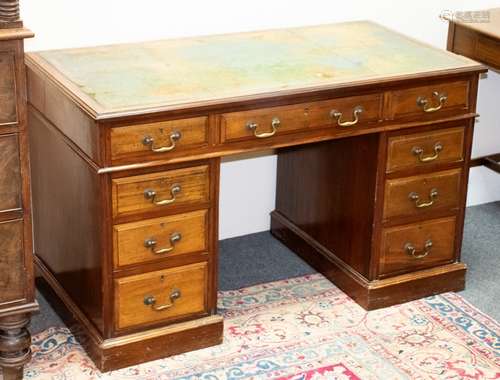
x=417 y=246
x=415 y=195
x=158 y=139
x=161 y=295
x=10 y=175
x=163 y=190
x=153 y=239
x=265 y=123
x=431 y=101
x=426 y=148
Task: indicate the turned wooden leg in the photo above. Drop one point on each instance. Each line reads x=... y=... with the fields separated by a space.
x=15 y=342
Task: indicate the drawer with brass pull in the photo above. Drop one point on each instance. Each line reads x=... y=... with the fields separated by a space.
x=425 y=148
x=158 y=139
x=417 y=246
x=261 y=124
x=431 y=100
x=161 y=295
x=153 y=239
x=411 y=196
x=162 y=190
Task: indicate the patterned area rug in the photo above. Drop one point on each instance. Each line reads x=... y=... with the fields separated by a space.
x=306 y=328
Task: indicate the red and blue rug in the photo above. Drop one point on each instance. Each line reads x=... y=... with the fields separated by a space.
x=306 y=328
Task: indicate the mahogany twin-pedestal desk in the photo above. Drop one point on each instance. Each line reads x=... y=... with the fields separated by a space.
x=373 y=133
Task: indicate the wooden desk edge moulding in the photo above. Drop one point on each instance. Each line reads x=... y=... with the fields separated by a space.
x=372 y=176
x=17 y=298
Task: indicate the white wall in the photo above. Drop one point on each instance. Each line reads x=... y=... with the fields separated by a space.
x=248 y=186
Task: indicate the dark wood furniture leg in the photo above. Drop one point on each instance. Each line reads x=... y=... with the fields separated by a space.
x=17 y=295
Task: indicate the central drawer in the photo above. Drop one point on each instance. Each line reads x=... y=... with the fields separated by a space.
x=153 y=239
x=162 y=190
x=161 y=295
x=416 y=195
x=264 y=123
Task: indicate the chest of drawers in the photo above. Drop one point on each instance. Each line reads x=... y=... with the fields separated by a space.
x=372 y=174
x=17 y=293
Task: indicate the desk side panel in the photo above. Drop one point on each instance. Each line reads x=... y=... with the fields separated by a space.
x=328 y=191
x=67 y=217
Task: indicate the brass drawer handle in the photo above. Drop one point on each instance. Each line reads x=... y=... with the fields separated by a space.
x=151 y=243
x=423 y=102
x=419 y=152
x=151 y=301
x=151 y=194
x=275 y=123
x=413 y=196
x=412 y=251
x=334 y=114
x=150 y=141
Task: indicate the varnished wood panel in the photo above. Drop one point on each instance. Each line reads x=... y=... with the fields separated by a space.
x=328 y=190
x=129 y=192
x=397 y=200
x=12 y=279
x=395 y=256
x=128 y=141
x=67 y=209
x=403 y=150
x=404 y=102
x=8 y=109
x=131 y=293
x=130 y=239
x=10 y=173
x=234 y=125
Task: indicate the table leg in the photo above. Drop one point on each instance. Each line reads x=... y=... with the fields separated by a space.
x=15 y=342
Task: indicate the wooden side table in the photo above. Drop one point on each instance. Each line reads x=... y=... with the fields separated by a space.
x=477 y=35
x=17 y=298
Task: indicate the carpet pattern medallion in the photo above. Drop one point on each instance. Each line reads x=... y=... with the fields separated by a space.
x=305 y=328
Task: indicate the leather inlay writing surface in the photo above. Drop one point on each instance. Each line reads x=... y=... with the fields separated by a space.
x=11 y=264
x=10 y=177
x=8 y=112
x=132 y=76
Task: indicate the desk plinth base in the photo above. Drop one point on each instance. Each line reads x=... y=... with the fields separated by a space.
x=127 y=350
x=370 y=295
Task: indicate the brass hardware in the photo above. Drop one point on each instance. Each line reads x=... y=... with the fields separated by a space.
x=423 y=102
x=412 y=251
x=334 y=114
x=151 y=194
x=413 y=196
x=419 y=152
x=151 y=243
x=174 y=136
x=275 y=123
x=151 y=301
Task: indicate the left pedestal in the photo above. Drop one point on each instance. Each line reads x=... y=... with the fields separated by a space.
x=17 y=294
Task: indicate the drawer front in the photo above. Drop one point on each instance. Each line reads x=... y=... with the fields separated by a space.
x=158 y=139
x=417 y=246
x=426 y=148
x=12 y=270
x=8 y=109
x=153 y=239
x=162 y=190
x=161 y=295
x=270 y=122
x=415 y=195
x=433 y=100
x=10 y=175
